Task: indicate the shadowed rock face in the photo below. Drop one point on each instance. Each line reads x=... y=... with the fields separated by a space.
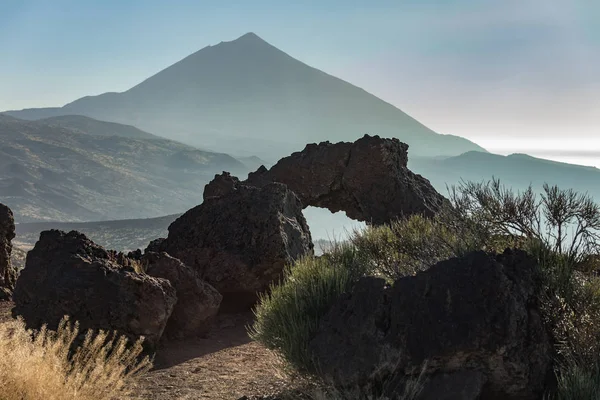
x=67 y=274
x=8 y=274
x=474 y=320
x=368 y=179
x=240 y=240
x=197 y=302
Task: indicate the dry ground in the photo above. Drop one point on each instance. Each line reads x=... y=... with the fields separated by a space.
x=226 y=365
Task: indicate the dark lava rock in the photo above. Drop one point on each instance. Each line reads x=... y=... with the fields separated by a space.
x=8 y=274
x=473 y=321
x=197 y=302
x=368 y=179
x=155 y=246
x=240 y=242
x=221 y=185
x=68 y=274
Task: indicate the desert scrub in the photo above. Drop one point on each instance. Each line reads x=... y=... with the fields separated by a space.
x=288 y=316
x=577 y=382
x=410 y=245
x=43 y=364
x=561 y=229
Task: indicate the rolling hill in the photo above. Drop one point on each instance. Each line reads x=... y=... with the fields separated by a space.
x=248 y=98
x=50 y=172
x=517 y=171
x=91 y=126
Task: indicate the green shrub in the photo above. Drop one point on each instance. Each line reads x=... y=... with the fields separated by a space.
x=560 y=228
x=288 y=316
x=408 y=246
x=577 y=382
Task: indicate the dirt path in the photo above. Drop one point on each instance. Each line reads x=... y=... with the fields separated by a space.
x=225 y=366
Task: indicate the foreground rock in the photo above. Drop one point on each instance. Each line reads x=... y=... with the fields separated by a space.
x=368 y=179
x=472 y=320
x=197 y=302
x=67 y=274
x=8 y=273
x=239 y=242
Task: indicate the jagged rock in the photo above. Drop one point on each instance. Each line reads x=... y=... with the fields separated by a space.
x=474 y=320
x=197 y=302
x=68 y=274
x=368 y=179
x=221 y=185
x=155 y=246
x=240 y=242
x=8 y=274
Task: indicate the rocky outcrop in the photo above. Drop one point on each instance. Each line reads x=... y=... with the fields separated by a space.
x=155 y=245
x=67 y=274
x=368 y=179
x=239 y=242
x=197 y=301
x=8 y=274
x=221 y=185
x=472 y=321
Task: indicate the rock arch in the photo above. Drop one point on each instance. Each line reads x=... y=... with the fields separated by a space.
x=368 y=179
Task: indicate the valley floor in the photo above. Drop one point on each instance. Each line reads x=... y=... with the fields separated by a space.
x=226 y=365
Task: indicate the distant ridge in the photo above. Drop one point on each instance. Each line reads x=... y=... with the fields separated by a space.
x=249 y=98
x=516 y=171
x=92 y=126
x=51 y=172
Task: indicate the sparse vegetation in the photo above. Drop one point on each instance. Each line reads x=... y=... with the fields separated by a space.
x=290 y=313
x=560 y=228
x=47 y=365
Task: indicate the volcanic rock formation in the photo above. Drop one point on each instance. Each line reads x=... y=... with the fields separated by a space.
x=368 y=179
x=471 y=321
x=239 y=242
x=197 y=302
x=8 y=274
x=67 y=274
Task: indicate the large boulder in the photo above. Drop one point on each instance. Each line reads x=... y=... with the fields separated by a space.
x=197 y=302
x=240 y=242
x=8 y=273
x=67 y=274
x=368 y=179
x=471 y=322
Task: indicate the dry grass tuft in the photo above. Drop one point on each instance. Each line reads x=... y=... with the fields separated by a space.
x=43 y=364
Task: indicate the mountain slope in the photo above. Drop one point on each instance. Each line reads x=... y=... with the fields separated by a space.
x=92 y=126
x=48 y=172
x=249 y=98
x=517 y=171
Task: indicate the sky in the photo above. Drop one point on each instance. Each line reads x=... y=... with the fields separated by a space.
x=512 y=75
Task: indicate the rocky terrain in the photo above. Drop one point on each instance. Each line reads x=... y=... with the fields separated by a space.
x=471 y=326
x=367 y=179
x=7 y=270
x=49 y=172
x=503 y=352
x=241 y=240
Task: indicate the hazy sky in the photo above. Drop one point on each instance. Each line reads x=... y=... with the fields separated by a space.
x=488 y=70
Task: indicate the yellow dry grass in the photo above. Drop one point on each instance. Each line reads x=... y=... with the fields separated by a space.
x=38 y=365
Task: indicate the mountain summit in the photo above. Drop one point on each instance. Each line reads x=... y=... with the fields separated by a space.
x=248 y=97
